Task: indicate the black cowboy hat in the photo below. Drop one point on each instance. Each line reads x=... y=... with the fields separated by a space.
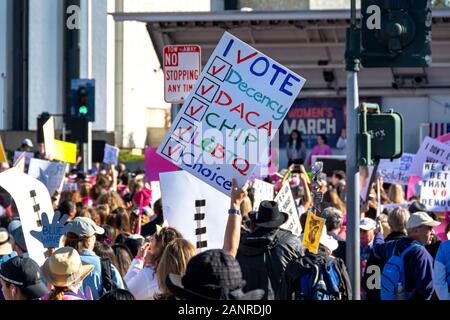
x=211 y=275
x=268 y=215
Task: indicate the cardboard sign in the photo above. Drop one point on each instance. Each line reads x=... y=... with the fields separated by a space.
x=313 y=230
x=65 y=151
x=431 y=151
x=49 y=136
x=111 y=154
x=27 y=155
x=231 y=115
x=263 y=191
x=51 y=174
x=182 y=66
x=180 y=191
x=396 y=171
x=435 y=191
x=3 y=157
x=286 y=204
x=154 y=164
x=32 y=200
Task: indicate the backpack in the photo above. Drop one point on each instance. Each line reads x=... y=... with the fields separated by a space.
x=107 y=281
x=393 y=276
x=322 y=278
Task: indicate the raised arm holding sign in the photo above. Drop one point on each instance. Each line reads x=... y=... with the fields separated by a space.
x=51 y=233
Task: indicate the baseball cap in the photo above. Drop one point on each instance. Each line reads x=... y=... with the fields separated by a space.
x=15 y=230
x=421 y=218
x=27 y=142
x=24 y=273
x=5 y=242
x=84 y=227
x=367 y=224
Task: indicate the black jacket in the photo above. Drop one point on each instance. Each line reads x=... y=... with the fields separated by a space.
x=264 y=255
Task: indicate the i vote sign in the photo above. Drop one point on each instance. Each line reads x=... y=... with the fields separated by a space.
x=226 y=123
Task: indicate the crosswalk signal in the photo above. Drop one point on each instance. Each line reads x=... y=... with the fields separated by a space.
x=83 y=99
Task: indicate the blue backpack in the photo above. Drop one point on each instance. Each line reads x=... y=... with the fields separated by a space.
x=321 y=279
x=393 y=276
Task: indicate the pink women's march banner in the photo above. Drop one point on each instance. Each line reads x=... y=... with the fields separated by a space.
x=154 y=164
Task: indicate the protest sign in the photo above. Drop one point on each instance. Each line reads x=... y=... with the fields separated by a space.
x=27 y=155
x=51 y=233
x=431 y=151
x=3 y=157
x=435 y=192
x=154 y=164
x=313 y=230
x=286 y=204
x=396 y=171
x=444 y=139
x=65 y=151
x=263 y=191
x=49 y=137
x=111 y=154
x=51 y=174
x=366 y=177
x=156 y=191
x=180 y=191
x=226 y=123
x=32 y=200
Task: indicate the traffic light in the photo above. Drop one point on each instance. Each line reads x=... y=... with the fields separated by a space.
x=380 y=136
x=83 y=99
x=396 y=33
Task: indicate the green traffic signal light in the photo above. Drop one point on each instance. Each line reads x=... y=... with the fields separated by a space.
x=83 y=110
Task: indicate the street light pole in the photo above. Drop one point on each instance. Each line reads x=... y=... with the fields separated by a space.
x=353 y=188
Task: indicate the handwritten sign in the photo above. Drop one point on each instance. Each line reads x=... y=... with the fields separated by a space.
x=313 y=230
x=32 y=200
x=111 y=154
x=435 y=192
x=396 y=171
x=263 y=191
x=51 y=174
x=431 y=151
x=180 y=190
x=286 y=204
x=232 y=113
x=51 y=233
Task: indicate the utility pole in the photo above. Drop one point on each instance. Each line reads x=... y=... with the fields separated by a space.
x=352 y=54
x=86 y=69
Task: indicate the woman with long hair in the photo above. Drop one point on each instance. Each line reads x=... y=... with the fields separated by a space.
x=141 y=278
x=296 y=149
x=396 y=193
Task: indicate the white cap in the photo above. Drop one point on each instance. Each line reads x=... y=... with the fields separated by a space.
x=327 y=240
x=421 y=218
x=367 y=224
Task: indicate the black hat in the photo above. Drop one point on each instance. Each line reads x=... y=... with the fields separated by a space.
x=25 y=274
x=211 y=275
x=268 y=215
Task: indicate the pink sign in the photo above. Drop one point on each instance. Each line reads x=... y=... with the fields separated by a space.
x=155 y=164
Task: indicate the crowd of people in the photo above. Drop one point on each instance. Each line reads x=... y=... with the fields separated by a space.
x=118 y=245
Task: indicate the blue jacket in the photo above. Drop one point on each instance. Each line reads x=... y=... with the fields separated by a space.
x=94 y=279
x=418 y=265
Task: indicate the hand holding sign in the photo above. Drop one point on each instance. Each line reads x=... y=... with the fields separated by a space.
x=51 y=233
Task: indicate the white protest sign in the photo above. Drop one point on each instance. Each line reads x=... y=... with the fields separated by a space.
x=51 y=174
x=431 y=151
x=435 y=192
x=286 y=204
x=156 y=191
x=396 y=171
x=180 y=191
x=49 y=136
x=225 y=125
x=111 y=154
x=32 y=200
x=263 y=191
x=182 y=66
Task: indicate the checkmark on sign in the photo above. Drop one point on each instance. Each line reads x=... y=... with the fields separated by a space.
x=184 y=130
x=207 y=89
x=219 y=69
x=196 y=109
x=173 y=149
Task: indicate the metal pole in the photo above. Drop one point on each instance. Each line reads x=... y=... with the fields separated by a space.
x=353 y=187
